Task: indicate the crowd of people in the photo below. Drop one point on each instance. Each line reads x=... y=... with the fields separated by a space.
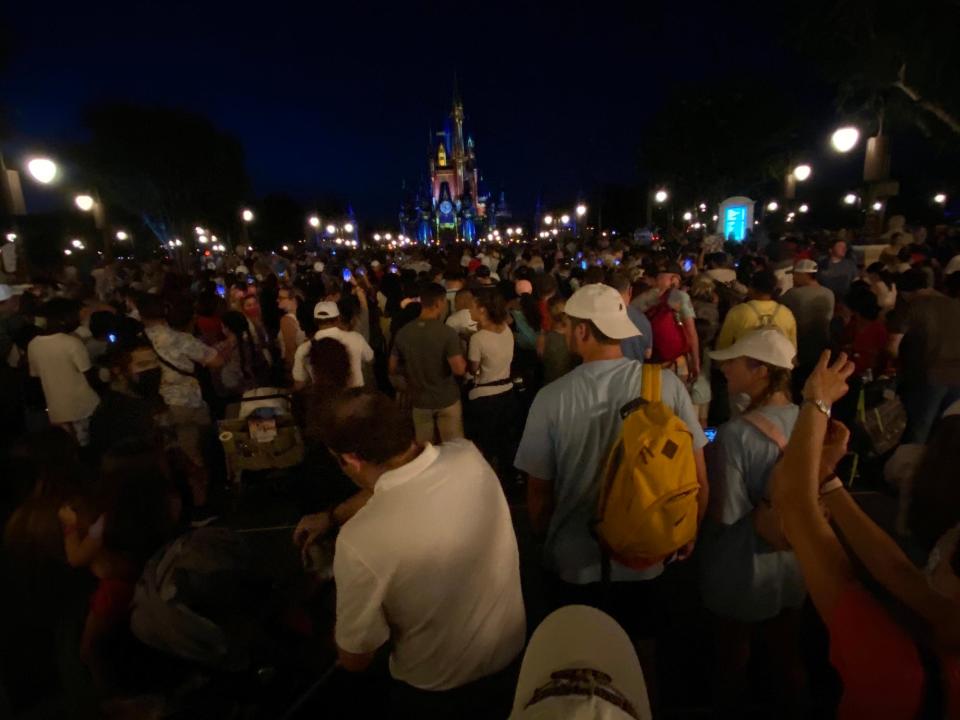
x=637 y=407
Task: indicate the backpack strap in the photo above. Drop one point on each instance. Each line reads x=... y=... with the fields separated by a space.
x=650 y=386
x=767 y=428
x=650 y=382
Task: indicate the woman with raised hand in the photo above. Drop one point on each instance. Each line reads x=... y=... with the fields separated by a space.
x=903 y=667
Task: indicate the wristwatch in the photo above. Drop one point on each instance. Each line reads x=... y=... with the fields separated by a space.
x=821 y=406
x=830 y=485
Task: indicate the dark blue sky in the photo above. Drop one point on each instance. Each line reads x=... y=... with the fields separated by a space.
x=340 y=97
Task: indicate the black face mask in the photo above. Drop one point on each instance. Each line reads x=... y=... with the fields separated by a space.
x=146 y=384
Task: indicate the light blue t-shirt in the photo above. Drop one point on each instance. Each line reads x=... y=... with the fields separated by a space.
x=573 y=423
x=636 y=347
x=741 y=576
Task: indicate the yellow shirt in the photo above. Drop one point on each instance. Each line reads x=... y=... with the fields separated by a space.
x=753 y=314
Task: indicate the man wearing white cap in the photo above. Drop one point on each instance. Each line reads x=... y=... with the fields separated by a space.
x=812 y=307
x=572 y=424
x=580 y=664
x=327 y=316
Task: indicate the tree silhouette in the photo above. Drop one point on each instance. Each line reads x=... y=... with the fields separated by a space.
x=170 y=167
x=896 y=61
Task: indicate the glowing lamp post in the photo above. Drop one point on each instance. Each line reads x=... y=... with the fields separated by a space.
x=845 y=139
x=84 y=202
x=43 y=170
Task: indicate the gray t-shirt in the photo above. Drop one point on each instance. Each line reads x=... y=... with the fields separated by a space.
x=812 y=306
x=423 y=347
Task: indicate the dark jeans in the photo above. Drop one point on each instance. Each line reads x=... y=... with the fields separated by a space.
x=637 y=606
x=488 y=697
x=491 y=424
x=924 y=403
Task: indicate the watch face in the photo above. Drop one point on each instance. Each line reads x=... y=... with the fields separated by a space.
x=446 y=206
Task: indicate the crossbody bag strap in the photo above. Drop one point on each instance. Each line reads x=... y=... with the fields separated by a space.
x=169 y=364
x=768 y=428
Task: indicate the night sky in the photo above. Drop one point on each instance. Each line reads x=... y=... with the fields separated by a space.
x=339 y=97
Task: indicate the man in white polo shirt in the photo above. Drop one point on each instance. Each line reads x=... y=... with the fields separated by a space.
x=429 y=564
x=327 y=316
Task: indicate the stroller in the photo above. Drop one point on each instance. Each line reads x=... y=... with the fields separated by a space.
x=260 y=433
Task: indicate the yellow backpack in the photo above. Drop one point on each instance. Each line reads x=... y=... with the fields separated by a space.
x=648 y=492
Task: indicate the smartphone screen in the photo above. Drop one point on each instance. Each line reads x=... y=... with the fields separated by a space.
x=347 y=275
x=711 y=433
x=221 y=290
x=583 y=264
x=688 y=265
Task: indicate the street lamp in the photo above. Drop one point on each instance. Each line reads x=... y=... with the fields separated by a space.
x=661 y=196
x=845 y=139
x=773 y=206
x=388 y=236
x=802 y=172
x=348 y=228
x=84 y=202
x=202 y=239
x=548 y=219
x=76 y=243
x=850 y=199
x=331 y=229
x=42 y=169
x=940 y=199
x=688 y=216
x=314 y=222
x=565 y=219
x=247 y=215
x=376 y=236
x=581 y=210
x=804 y=208
x=122 y=235
x=703 y=207
x=877 y=206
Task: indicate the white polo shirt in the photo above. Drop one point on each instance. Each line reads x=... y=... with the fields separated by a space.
x=358 y=350
x=431 y=562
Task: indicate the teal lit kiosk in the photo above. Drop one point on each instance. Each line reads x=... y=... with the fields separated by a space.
x=735 y=218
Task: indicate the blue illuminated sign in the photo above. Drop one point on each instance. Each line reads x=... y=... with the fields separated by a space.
x=735 y=223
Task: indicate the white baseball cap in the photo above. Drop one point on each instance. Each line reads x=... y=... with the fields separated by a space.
x=580 y=665
x=806 y=266
x=326 y=310
x=604 y=306
x=767 y=345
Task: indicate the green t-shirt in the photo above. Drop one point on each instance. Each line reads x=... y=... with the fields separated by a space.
x=424 y=346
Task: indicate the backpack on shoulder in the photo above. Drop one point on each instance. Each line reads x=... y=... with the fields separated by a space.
x=766 y=319
x=648 y=492
x=669 y=338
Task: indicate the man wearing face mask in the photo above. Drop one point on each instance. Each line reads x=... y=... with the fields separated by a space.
x=131 y=402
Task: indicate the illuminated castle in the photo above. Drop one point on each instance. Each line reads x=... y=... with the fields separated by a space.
x=453 y=204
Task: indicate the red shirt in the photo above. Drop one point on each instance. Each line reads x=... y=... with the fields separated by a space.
x=879 y=664
x=546 y=322
x=866 y=343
